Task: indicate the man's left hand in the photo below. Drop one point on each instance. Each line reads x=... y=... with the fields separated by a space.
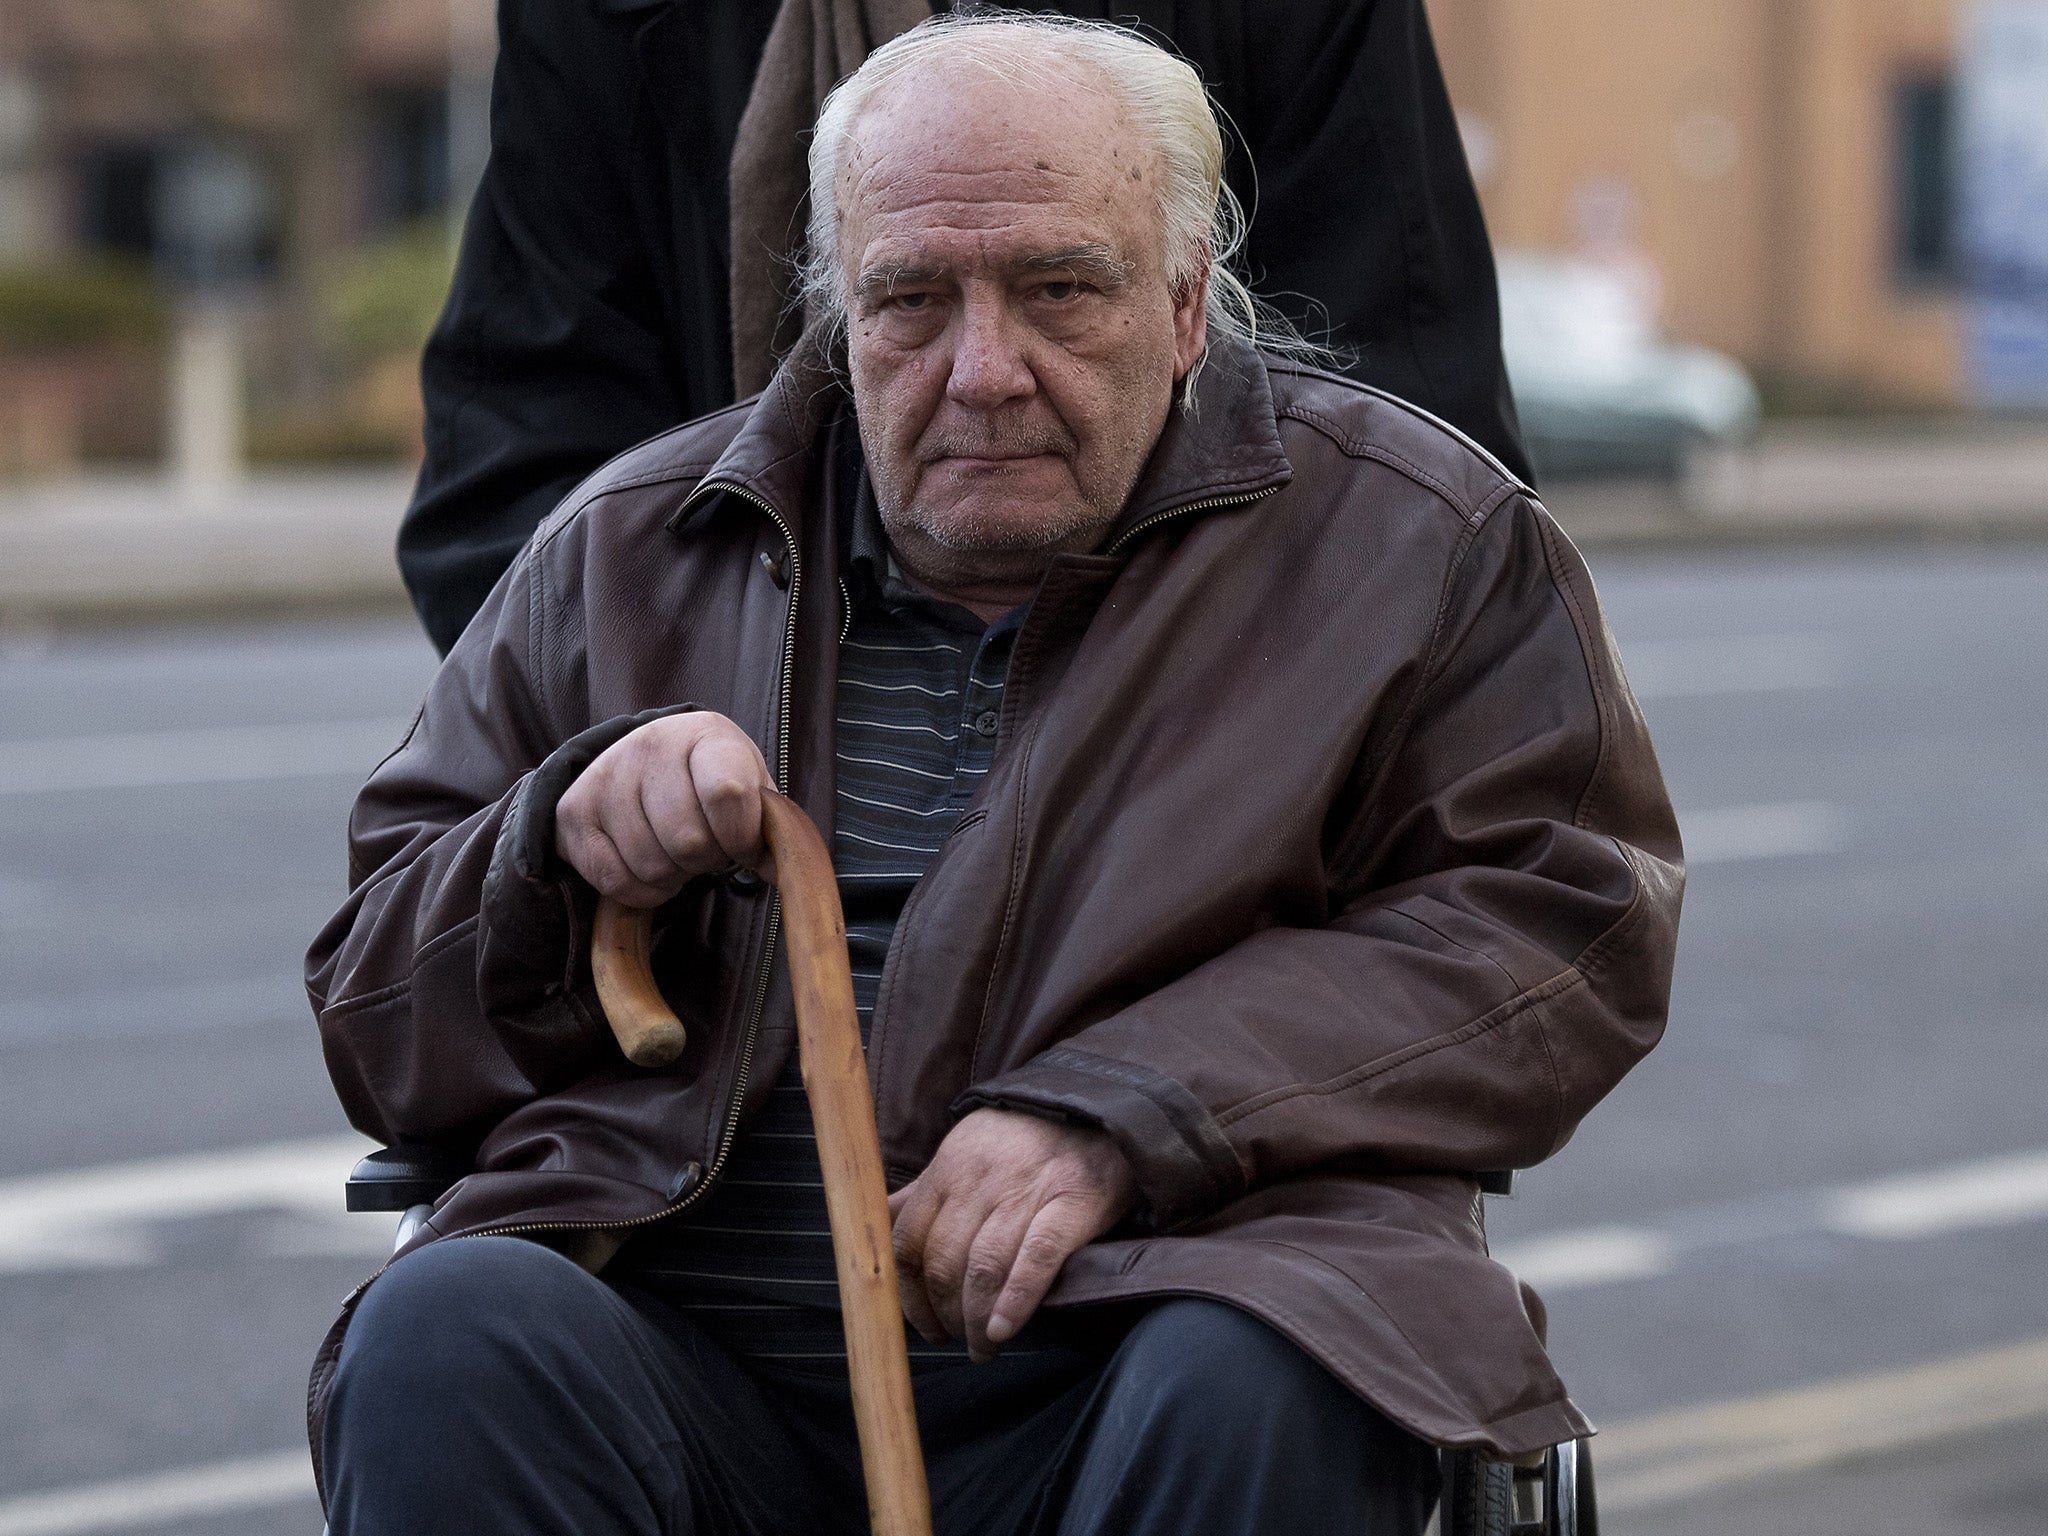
x=982 y=1233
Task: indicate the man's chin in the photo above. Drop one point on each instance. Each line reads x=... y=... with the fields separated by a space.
x=1033 y=512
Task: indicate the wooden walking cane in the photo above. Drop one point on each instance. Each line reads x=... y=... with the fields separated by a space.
x=843 y=1108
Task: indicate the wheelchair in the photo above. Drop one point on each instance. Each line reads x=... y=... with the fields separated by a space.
x=1552 y=1495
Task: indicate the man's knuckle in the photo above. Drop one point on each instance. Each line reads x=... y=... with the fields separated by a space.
x=1043 y=1250
x=723 y=789
x=986 y=1274
x=601 y=867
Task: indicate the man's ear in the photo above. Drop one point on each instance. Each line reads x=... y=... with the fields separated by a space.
x=1190 y=322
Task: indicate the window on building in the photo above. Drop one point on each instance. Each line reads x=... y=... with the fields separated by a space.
x=407 y=160
x=1923 y=181
x=117 y=186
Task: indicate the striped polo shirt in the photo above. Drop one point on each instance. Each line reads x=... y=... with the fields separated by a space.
x=920 y=694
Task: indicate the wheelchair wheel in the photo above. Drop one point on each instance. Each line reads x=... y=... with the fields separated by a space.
x=1478 y=1496
x=1579 y=1513
x=1553 y=1497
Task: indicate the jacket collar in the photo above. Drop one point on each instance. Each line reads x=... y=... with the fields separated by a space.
x=1223 y=448
x=770 y=456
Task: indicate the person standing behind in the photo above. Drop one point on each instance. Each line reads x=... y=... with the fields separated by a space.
x=601 y=281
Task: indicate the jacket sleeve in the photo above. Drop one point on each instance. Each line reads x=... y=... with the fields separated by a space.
x=1365 y=224
x=452 y=985
x=551 y=354
x=1503 y=884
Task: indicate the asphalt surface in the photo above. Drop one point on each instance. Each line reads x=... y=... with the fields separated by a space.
x=1858 y=744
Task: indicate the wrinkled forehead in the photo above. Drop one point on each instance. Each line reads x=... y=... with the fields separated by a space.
x=952 y=150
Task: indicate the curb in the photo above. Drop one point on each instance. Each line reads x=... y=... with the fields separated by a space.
x=1682 y=531
x=120 y=549
x=117 y=553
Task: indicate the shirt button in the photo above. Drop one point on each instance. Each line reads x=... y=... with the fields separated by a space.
x=986 y=722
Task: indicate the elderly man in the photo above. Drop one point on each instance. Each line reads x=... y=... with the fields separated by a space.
x=1245 y=833
x=638 y=146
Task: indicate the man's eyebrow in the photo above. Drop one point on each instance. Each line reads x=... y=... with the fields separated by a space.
x=884 y=277
x=1098 y=264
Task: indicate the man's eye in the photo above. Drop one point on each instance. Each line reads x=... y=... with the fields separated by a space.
x=908 y=301
x=1059 y=292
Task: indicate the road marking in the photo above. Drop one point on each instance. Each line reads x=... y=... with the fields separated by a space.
x=1688 y=1451
x=102 y=1217
x=157 y=1498
x=1991 y=1193
x=94 y=1218
x=1596 y=1256
x=218 y=755
x=1676 y=669
x=1987 y=1192
x=1742 y=832
x=1642 y=1463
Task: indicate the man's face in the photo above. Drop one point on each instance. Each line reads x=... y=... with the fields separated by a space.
x=1013 y=338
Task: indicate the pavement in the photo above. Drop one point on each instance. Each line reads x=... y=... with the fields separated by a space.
x=127 y=545
x=1793 y=1264
x=1825 y=484
x=107 y=545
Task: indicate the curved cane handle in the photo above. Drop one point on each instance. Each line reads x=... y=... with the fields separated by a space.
x=649 y=1032
x=835 y=1076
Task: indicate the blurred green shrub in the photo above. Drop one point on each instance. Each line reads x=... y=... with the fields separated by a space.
x=385 y=297
x=378 y=303
x=86 y=302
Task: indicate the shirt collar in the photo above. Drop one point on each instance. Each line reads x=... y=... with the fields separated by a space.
x=866 y=551
x=872 y=575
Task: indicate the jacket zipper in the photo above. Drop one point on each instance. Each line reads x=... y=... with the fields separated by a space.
x=764 y=968
x=1192 y=507
x=911 y=905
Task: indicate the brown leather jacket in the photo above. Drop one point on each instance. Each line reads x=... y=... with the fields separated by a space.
x=1324 y=860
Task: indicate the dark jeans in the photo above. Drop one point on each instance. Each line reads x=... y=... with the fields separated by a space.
x=489 y=1385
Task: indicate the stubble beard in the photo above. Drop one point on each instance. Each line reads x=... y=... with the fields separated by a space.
x=988 y=547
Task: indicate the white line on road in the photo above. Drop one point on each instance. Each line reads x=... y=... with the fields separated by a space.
x=184 y=1493
x=1742 y=832
x=1669 y=669
x=1595 y=1256
x=213 y=755
x=1643 y=1463
x=93 y=1218
x=1989 y=1192
x=1687 y=1451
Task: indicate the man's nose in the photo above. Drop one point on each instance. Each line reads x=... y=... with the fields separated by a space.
x=989 y=365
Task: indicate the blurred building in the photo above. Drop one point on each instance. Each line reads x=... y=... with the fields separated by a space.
x=288 y=159
x=1849 y=195
x=337 y=105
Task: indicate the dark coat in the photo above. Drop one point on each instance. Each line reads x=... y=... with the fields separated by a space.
x=589 y=309
x=1324 y=859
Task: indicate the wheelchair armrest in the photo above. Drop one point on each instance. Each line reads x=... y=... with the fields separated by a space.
x=398 y=1178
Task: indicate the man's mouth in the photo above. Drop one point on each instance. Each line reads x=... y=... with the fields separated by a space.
x=990 y=449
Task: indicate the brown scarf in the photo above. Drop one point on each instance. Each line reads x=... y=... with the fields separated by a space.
x=813 y=45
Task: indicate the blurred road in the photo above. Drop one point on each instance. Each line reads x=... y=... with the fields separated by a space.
x=1834 y=1171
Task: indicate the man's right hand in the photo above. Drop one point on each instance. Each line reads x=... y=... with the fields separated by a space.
x=678 y=798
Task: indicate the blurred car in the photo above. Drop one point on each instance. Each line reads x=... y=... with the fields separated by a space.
x=1599 y=392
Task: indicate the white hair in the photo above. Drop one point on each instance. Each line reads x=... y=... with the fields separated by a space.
x=1201 y=218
